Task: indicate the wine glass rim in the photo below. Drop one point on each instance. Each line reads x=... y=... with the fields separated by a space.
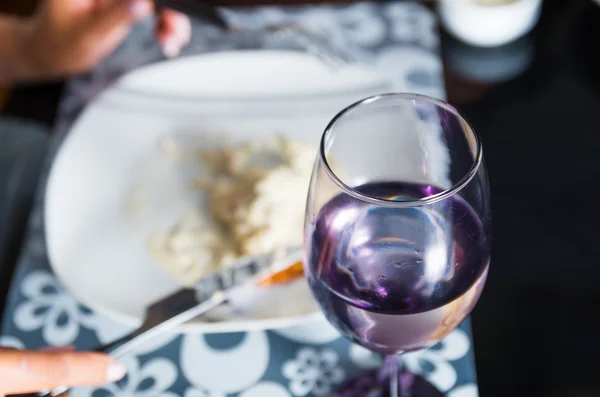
x=446 y=193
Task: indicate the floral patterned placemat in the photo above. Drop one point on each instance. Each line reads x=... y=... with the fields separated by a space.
x=400 y=40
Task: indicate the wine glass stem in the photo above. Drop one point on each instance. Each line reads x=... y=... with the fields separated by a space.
x=392 y=367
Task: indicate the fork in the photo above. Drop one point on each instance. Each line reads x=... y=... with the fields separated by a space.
x=285 y=33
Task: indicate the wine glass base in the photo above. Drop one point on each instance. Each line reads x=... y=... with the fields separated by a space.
x=373 y=384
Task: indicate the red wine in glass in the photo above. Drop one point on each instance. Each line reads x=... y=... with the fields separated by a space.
x=395 y=266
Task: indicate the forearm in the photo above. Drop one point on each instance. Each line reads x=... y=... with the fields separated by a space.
x=14 y=66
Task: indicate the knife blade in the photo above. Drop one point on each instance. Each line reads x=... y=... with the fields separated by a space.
x=208 y=293
x=188 y=303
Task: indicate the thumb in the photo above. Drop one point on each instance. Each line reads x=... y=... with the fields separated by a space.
x=24 y=371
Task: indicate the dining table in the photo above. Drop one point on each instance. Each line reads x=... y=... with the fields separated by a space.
x=534 y=103
x=401 y=40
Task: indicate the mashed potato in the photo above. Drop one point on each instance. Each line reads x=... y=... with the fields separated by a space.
x=257 y=196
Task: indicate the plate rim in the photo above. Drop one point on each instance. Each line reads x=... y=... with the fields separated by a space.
x=153 y=94
x=131 y=320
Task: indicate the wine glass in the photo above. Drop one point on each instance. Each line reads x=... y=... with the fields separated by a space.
x=398 y=231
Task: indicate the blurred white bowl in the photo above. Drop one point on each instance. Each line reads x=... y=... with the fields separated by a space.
x=488 y=25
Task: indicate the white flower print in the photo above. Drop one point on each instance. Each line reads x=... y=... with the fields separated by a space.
x=11 y=341
x=412 y=22
x=313 y=371
x=153 y=379
x=442 y=373
x=47 y=306
x=266 y=389
x=362 y=24
x=193 y=392
x=402 y=25
x=228 y=370
x=324 y=23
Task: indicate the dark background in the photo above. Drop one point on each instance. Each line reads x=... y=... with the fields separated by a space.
x=536 y=326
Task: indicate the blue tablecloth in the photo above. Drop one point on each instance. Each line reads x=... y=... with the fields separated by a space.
x=399 y=39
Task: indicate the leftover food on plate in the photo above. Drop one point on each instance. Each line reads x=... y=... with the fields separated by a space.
x=192 y=249
x=256 y=195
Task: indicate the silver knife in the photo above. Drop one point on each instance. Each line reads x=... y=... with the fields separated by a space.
x=188 y=303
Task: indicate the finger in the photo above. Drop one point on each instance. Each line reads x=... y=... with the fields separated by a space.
x=109 y=26
x=28 y=371
x=113 y=21
x=173 y=32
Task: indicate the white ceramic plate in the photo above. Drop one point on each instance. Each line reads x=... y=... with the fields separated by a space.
x=96 y=237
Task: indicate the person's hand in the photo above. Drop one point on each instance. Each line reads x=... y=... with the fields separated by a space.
x=23 y=371
x=173 y=32
x=71 y=36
